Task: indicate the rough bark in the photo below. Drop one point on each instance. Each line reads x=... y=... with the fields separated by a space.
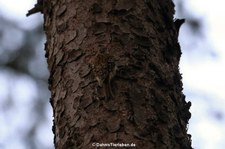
x=142 y=103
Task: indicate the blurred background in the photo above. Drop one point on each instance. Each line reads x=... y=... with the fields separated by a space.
x=25 y=112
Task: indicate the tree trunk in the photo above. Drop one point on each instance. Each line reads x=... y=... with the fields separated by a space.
x=114 y=74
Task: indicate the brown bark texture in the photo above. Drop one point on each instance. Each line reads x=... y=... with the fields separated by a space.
x=114 y=74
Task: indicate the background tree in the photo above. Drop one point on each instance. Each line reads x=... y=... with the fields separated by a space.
x=114 y=74
x=23 y=91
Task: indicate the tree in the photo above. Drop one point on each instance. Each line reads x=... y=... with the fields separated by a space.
x=114 y=74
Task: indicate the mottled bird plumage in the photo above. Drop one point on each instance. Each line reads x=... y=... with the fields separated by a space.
x=103 y=65
x=104 y=69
